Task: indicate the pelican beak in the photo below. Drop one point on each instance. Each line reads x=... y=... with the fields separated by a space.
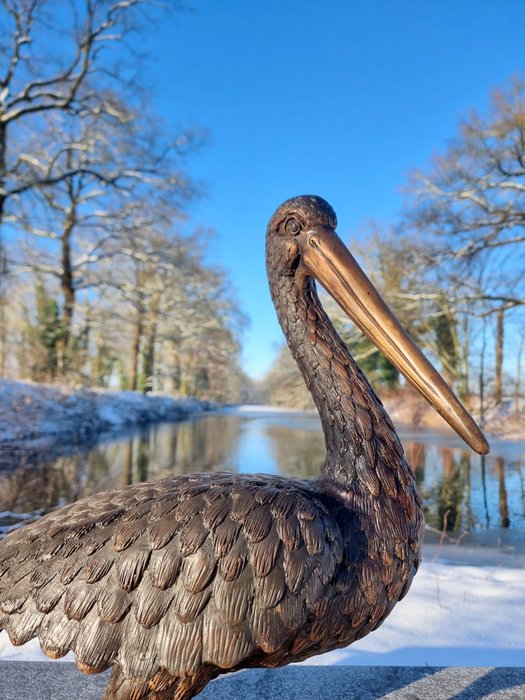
x=330 y=262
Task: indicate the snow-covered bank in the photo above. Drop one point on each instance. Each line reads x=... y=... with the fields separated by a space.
x=453 y=615
x=35 y=417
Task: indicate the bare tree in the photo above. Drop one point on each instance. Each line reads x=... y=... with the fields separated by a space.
x=92 y=192
x=57 y=57
x=475 y=194
x=175 y=314
x=471 y=208
x=519 y=359
x=52 y=55
x=107 y=180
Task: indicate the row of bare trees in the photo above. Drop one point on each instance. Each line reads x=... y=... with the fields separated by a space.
x=453 y=268
x=471 y=206
x=97 y=280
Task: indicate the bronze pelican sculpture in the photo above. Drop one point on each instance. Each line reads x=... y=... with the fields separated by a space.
x=175 y=582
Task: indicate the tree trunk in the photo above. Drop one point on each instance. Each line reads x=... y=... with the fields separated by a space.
x=173 y=370
x=149 y=359
x=67 y=284
x=518 y=372
x=135 y=349
x=499 y=356
x=482 y=378
x=464 y=364
x=3 y=165
x=3 y=262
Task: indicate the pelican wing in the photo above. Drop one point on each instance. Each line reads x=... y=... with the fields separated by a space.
x=205 y=570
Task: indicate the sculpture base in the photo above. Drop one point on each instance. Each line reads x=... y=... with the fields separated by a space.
x=61 y=681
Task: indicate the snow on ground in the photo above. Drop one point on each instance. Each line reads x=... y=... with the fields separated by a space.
x=35 y=417
x=452 y=616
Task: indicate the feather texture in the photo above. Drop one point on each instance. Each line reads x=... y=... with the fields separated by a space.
x=200 y=578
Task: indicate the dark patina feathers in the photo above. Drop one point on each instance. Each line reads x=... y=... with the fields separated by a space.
x=175 y=582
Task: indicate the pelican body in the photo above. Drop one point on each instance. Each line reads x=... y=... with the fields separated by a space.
x=175 y=582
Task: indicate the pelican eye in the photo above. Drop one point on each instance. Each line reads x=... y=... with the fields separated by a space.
x=292 y=227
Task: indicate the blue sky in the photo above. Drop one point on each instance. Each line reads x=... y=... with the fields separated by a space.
x=337 y=98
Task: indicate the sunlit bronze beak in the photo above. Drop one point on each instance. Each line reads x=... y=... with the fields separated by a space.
x=331 y=263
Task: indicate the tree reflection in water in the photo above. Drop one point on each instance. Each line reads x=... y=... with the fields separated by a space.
x=302 y=457
x=503 y=502
x=459 y=490
x=416 y=457
x=451 y=489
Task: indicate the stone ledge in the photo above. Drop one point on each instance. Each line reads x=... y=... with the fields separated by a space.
x=61 y=681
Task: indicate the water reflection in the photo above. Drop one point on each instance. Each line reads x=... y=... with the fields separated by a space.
x=302 y=457
x=503 y=501
x=460 y=490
